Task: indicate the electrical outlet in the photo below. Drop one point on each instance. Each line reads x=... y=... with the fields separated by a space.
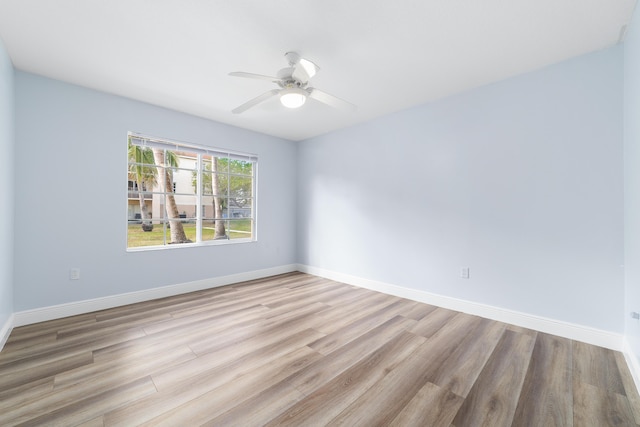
x=74 y=274
x=464 y=272
x=635 y=315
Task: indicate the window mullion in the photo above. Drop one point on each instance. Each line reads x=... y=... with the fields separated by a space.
x=199 y=199
x=254 y=197
x=229 y=199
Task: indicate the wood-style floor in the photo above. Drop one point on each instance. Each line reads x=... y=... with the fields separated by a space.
x=304 y=351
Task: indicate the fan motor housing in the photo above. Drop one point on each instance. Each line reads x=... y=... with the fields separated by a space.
x=287 y=80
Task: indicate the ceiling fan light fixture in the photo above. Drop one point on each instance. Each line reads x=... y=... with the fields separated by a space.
x=293 y=97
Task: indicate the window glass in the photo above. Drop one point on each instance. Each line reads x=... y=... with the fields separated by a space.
x=181 y=194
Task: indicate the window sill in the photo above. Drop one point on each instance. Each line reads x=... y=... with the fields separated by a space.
x=191 y=245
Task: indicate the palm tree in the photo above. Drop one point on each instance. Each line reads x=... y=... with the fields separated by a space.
x=217 y=200
x=213 y=183
x=144 y=176
x=166 y=185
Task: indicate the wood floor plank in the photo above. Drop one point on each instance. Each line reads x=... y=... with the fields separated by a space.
x=256 y=410
x=51 y=325
x=218 y=304
x=595 y=406
x=205 y=406
x=432 y=406
x=160 y=305
x=522 y=330
x=419 y=311
x=11 y=378
x=152 y=308
x=110 y=326
x=85 y=387
x=389 y=395
x=19 y=396
x=322 y=294
x=134 y=349
x=356 y=328
x=243 y=295
x=54 y=353
x=86 y=409
x=187 y=333
x=323 y=404
x=292 y=314
x=296 y=349
x=285 y=282
x=180 y=385
x=219 y=317
x=433 y=321
x=95 y=422
x=50 y=350
x=596 y=366
x=114 y=371
x=326 y=369
x=546 y=398
x=27 y=341
x=629 y=386
x=232 y=359
x=339 y=316
x=267 y=331
x=464 y=364
x=492 y=400
x=302 y=280
x=395 y=390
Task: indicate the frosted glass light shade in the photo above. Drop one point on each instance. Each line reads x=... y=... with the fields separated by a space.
x=293 y=98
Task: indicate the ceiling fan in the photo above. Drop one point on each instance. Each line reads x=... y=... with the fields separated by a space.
x=294 y=89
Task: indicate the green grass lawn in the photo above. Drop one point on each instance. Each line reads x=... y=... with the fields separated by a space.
x=136 y=237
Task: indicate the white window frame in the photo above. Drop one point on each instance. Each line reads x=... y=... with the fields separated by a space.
x=199 y=151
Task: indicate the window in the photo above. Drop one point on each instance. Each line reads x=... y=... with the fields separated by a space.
x=182 y=194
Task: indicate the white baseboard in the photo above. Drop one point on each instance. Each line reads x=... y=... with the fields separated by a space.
x=572 y=331
x=6 y=331
x=43 y=314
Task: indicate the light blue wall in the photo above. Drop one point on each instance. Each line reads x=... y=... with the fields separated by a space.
x=521 y=181
x=71 y=197
x=7 y=180
x=632 y=182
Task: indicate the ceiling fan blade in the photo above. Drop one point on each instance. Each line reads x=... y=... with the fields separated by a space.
x=255 y=101
x=254 y=76
x=330 y=100
x=304 y=69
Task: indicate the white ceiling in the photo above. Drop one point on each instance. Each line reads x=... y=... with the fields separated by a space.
x=383 y=56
